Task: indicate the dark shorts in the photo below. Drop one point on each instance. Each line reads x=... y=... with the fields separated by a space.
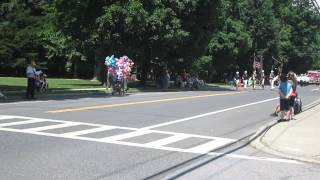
x=284 y=104
x=291 y=101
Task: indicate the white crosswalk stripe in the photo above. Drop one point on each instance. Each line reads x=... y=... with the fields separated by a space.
x=209 y=146
x=168 y=140
x=159 y=144
x=4 y=117
x=57 y=126
x=126 y=136
x=88 y=131
x=214 y=142
x=20 y=123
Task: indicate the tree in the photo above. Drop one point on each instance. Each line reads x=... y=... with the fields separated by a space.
x=230 y=40
x=76 y=21
x=147 y=29
x=19 y=25
x=212 y=36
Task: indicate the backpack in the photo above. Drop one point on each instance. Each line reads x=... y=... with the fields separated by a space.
x=297 y=106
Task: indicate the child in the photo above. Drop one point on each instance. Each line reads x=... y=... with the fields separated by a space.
x=285 y=90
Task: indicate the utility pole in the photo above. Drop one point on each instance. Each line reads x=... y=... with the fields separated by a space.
x=281 y=62
x=316 y=6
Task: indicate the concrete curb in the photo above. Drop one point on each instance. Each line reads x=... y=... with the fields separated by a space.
x=258 y=143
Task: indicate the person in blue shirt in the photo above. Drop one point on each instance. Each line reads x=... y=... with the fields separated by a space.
x=285 y=90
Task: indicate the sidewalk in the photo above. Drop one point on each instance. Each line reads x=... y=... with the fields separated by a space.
x=297 y=139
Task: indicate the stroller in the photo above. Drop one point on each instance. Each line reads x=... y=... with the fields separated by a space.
x=2 y=96
x=41 y=83
x=118 y=84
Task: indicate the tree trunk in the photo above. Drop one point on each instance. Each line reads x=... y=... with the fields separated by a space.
x=144 y=72
x=210 y=73
x=98 y=65
x=75 y=67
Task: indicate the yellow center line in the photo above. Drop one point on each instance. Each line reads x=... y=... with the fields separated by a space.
x=136 y=103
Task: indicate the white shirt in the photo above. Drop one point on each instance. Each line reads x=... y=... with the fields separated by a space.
x=31 y=72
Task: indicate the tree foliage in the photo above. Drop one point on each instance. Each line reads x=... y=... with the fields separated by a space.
x=208 y=36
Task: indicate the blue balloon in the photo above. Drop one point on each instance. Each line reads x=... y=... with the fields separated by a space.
x=110 y=61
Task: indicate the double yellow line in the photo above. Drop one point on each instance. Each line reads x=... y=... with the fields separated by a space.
x=137 y=103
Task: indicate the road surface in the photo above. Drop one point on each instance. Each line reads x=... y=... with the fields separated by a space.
x=163 y=135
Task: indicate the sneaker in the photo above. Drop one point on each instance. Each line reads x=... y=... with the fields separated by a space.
x=275 y=114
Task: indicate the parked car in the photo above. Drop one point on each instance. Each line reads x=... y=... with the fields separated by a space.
x=314 y=76
x=303 y=79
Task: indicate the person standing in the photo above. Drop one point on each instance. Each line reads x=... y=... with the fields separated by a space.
x=262 y=76
x=166 y=80
x=31 y=76
x=245 y=78
x=271 y=79
x=285 y=90
x=237 y=80
x=293 y=80
x=254 y=76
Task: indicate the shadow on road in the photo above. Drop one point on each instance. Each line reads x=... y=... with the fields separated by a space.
x=194 y=161
x=72 y=95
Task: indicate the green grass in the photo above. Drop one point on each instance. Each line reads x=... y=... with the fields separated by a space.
x=8 y=84
x=16 y=86
x=72 y=84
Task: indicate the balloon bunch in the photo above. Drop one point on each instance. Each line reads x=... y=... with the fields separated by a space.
x=120 y=66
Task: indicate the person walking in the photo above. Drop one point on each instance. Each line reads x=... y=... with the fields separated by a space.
x=245 y=78
x=31 y=76
x=285 y=90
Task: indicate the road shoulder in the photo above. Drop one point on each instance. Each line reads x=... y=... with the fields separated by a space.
x=296 y=139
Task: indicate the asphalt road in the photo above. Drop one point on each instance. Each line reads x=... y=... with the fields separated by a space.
x=166 y=135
